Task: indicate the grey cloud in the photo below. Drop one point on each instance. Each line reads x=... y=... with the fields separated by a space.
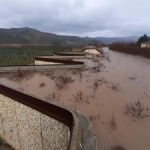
x=78 y=17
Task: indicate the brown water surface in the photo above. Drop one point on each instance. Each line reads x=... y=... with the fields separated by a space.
x=101 y=93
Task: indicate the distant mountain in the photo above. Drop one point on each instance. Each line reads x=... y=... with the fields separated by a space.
x=24 y=36
x=109 y=40
x=32 y=36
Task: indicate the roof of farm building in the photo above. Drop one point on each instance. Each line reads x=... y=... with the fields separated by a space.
x=90 y=47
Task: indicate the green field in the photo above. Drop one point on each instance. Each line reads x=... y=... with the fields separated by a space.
x=22 y=55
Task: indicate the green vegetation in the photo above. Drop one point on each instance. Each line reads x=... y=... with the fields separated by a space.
x=19 y=46
x=22 y=55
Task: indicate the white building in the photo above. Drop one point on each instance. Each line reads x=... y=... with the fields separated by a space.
x=91 y=50
x=145 y=45
x=45 y=61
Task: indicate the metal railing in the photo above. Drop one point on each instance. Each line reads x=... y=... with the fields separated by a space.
x=71 y=119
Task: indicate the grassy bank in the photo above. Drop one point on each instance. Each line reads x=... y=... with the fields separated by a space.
x=130 y=49
x=22 y=55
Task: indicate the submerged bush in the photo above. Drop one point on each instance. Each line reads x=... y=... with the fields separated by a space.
x=62 y=80
x=113 y=123
x=136 y=109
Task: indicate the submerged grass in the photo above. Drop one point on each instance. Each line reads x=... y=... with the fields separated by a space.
x=136 y=109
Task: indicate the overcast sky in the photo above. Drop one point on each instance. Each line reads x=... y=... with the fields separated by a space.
x=78 y=17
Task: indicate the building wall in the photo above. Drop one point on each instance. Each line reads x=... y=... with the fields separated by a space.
x=27 y=129
x=38 y=62
x=91 y=51
x=145 y=45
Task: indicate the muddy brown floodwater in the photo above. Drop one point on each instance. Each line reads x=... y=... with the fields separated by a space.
x=114 y=95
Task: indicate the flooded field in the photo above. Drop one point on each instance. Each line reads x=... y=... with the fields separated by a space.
x=113 y=92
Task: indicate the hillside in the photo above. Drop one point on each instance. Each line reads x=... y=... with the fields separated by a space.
x=32 y=36
x=110 y=40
